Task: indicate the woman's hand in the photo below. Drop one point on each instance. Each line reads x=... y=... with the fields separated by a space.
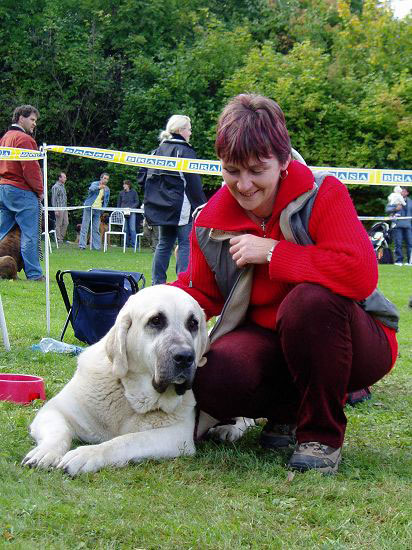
x=249 y=249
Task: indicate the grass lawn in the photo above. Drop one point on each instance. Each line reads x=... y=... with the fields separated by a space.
x=227 y=497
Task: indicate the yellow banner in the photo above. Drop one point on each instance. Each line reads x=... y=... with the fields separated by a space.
x=368 y=176
x=11 y=153
x=348 y=176
x=194 y=166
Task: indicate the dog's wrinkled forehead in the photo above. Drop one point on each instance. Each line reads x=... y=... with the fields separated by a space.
x=160 y=306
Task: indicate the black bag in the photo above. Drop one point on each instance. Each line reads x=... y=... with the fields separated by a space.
x=98 y=296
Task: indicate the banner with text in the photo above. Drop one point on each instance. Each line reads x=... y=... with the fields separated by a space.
x=348 y=176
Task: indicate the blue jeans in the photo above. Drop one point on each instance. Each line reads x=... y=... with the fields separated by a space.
x=84 y=231
x=21 y=207
x=167 y=238
x=130 y=228
x=401 y=235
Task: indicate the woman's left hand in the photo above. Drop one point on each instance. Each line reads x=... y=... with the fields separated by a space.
x=249 y=249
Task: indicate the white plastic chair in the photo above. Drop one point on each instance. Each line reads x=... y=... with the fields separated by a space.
x=48 y=239
x=138 y=241
x=116 y=220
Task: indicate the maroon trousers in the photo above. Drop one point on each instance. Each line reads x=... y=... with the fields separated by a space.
x=324 y=346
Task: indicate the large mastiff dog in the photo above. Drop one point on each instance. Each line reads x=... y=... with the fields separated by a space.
x=130 y=397
x=11 y=261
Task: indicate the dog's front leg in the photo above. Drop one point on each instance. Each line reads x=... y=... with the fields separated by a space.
x=53 y=436
x=168 y=442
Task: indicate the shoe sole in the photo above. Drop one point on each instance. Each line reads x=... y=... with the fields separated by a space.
x=304 y=467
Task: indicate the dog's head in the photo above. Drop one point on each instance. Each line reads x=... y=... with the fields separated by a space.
x=161 y=331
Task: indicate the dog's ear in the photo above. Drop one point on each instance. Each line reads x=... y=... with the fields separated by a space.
x=116 y=344
x=204 y=344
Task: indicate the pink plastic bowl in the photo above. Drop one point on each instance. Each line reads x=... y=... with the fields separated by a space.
x=21 y=388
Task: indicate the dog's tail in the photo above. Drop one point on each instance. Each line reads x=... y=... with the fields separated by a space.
x=8 y=268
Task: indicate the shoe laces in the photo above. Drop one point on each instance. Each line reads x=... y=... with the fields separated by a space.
x=313 y=446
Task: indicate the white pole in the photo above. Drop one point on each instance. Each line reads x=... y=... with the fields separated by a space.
x=46 y=238
x=4 y=327
x=91 y=226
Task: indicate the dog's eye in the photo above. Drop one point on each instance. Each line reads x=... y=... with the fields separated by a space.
x=157 y=321
x=192 y=324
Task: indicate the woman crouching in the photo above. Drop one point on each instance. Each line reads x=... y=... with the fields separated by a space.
x=281 y=256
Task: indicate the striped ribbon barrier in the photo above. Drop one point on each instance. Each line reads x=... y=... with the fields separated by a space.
x=348 y=176
x=12 y=153
x=141 y=211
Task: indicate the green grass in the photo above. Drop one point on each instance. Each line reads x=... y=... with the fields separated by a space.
x=227 y=496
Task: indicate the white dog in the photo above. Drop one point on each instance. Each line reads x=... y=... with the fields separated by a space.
x=130 y=396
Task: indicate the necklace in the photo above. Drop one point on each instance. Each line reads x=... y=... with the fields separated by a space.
x=259 y=220
x=263 y=222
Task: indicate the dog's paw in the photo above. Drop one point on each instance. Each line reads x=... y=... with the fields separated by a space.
x=231 y=432
x=88 y=458
x=42 y=457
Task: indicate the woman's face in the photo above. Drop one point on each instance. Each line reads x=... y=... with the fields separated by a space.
x=254 y=186
x=186 y=132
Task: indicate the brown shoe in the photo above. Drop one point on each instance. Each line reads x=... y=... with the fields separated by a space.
x=38 y=279
x=316 y=456
x=277 y=436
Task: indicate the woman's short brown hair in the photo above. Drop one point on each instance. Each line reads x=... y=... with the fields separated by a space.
x=252 y=126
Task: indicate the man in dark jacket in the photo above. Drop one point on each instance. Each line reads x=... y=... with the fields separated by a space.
x=128 y=198
x=21 y=190
x=403 y=228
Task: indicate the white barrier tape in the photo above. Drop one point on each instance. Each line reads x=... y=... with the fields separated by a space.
x=63 y=208
x=12 y=153
x=348 y=176
x=112 y=209
x=384 y=218
x=141 y=211
x=104 y=208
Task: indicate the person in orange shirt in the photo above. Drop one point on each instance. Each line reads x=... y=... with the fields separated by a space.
x=21 y=190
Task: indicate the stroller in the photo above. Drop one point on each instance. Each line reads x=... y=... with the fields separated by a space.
x=380 y=237
x=98 y=296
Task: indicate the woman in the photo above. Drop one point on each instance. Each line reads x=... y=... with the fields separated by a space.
x=296 y=341
x=171 y=197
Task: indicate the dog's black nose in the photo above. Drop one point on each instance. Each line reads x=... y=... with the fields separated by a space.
x=184 y=359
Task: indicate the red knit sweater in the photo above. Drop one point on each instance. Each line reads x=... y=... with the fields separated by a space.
x=342 y=259
x=26 y=174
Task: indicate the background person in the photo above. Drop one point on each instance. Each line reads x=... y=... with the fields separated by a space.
x=128 y=198
x=402 y=232
x=59 y=199
x=21 y=190
x=171 y=197
x=302 y=341
x=98 y=197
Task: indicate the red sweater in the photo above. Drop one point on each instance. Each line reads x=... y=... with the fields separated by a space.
x=25 y=174
x=342 y=259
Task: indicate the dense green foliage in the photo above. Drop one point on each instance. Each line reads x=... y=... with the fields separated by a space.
x=109 y=73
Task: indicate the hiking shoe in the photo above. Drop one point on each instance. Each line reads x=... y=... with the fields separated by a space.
x=277 y=436
x=315 y=456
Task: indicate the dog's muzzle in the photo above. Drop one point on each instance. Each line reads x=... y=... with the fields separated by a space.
x=179 y=370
